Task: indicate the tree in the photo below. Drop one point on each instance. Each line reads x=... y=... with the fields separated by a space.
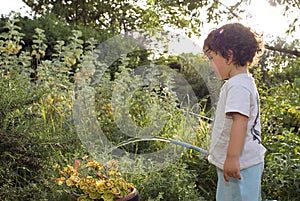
x=125 y=15
x=118 y=16
x=115 y=15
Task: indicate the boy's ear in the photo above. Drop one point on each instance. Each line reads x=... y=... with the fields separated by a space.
x=230 y=57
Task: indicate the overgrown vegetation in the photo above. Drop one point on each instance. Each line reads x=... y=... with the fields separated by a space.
x=37 y=128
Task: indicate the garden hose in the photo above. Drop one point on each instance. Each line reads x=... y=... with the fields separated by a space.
x=176 y=142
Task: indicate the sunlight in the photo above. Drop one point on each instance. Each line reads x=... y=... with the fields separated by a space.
x=268 y=19
x=14 y=5
x=264 y=18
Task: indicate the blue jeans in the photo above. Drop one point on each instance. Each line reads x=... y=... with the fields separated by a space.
x=246 y=189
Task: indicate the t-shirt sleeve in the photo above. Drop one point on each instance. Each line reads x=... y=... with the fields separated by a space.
x=238 y=100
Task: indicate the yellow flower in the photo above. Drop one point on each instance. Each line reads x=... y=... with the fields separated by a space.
x=60 y=98
x=75 y=179
x=69 y=182
x=42 y=52
x=292 y=111
x=100 y=185
x=61 y=180
x=113 y=172
x=94 y=164
x=60 y=183
x=33 y=53
x=69 y=106
x=108 y=184
x=50 y=99
x=89 y=180
x=56 y=166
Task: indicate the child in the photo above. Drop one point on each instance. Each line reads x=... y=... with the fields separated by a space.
x=236 y=148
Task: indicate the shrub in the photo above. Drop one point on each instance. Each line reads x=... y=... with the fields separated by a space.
x=175 y=182
x=280 y=129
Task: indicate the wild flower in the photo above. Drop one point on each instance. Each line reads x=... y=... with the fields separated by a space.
x=92 y=180
x=292 y=111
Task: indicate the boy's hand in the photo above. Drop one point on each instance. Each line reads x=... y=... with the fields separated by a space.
x=231 y=168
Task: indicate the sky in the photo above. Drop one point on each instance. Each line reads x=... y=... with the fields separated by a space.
x=13 y=5
x=264 y=17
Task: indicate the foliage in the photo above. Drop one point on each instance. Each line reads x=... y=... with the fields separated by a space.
x=122 y=16
x=26 y=135
x=19 y=166
x=206 y=180
x=93 y=180
x=175 y=182
x=101 y=15
x=279 y=90
x=48 y=125
x=280 y=123
x=56 y=30
x=37 y=128
x=281 y=166
x=282 y=112
x=190 y=66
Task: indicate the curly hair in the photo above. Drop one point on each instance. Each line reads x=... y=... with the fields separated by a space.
x=245 y=44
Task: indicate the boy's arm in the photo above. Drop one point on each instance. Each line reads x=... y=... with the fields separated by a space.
x=236 y=143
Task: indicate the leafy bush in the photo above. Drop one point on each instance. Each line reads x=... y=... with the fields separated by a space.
x=281 y=174
x=280 y=127
x=175 y=182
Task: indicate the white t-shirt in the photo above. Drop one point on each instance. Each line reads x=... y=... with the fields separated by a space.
x=238 y=94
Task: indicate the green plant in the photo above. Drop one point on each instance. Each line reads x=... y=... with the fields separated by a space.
x=280 y=128
x=175 y=182
x=92 y=180
x=280 y=121
x=281 y=165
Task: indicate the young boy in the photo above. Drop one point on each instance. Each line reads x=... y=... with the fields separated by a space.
x=236 y=148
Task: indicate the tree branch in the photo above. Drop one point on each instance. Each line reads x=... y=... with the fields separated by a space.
x=283 y=50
